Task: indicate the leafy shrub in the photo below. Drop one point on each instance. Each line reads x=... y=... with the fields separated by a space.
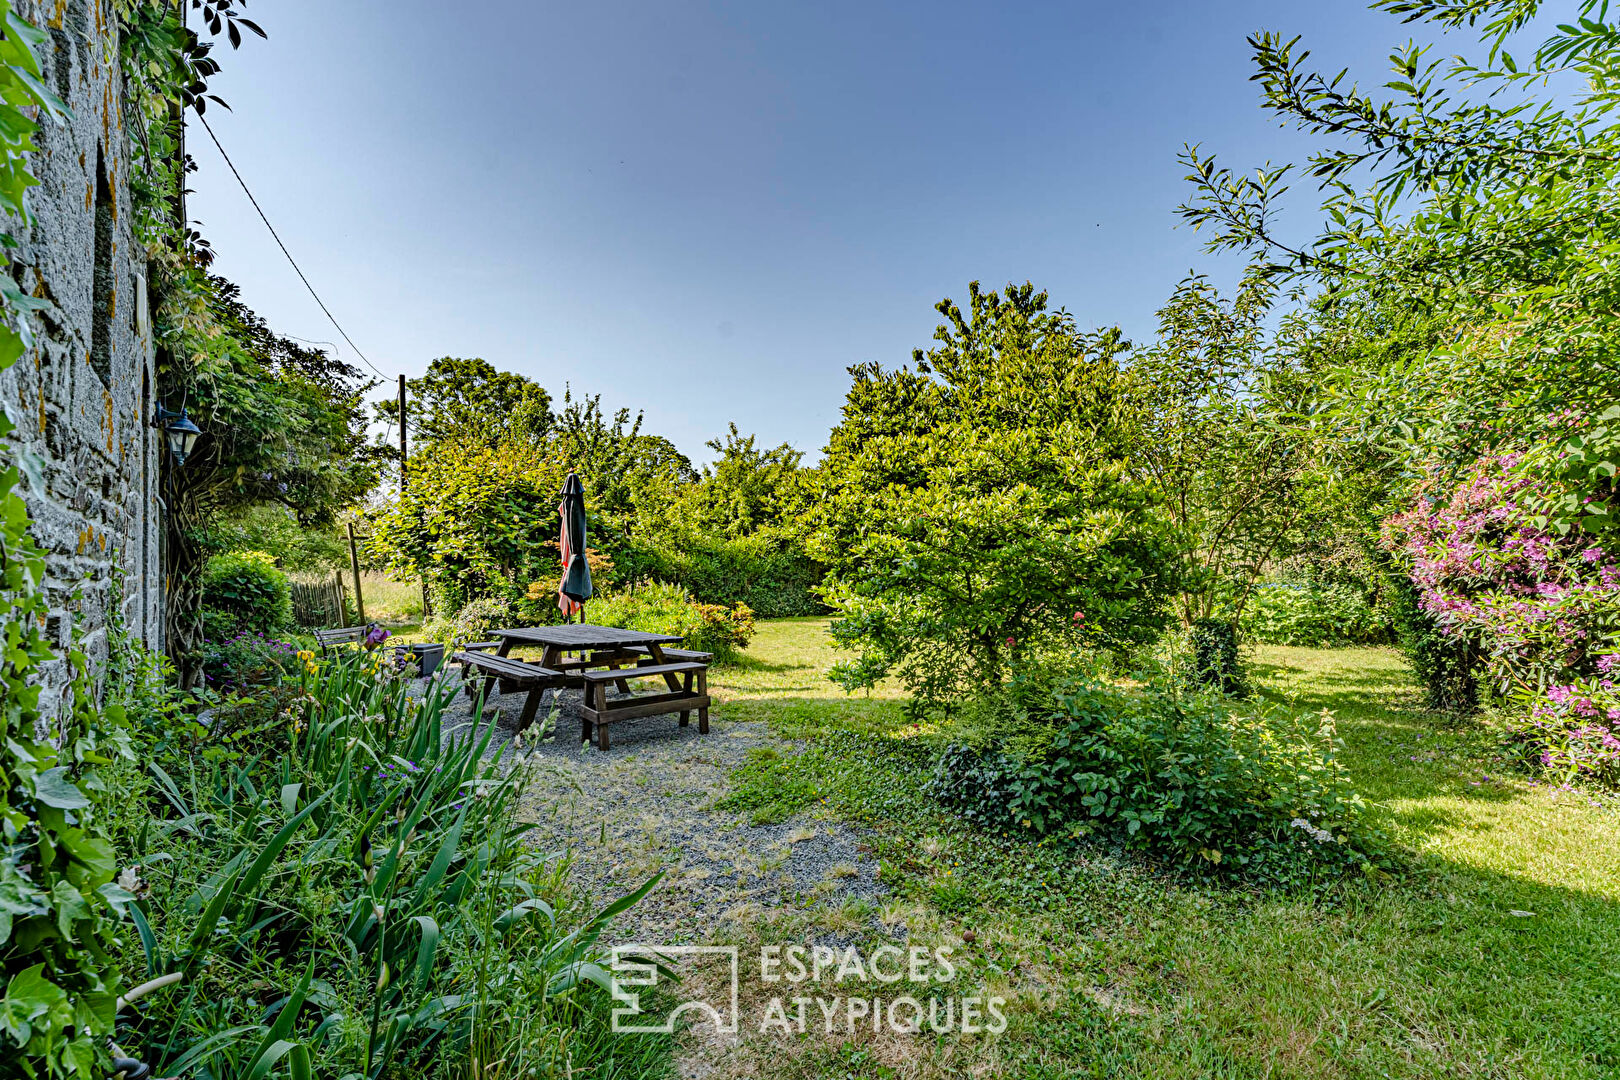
x=1318 y=615
x=769 y=574
x=540 y=595
x=969 y=507
x=1215 y=661
x=1571 y=730
x=1533 y=609
x=668 y=609
x=248 y=591
x=247 y=661
x=475 y=621
x=1446 y=664
x=1255 y=793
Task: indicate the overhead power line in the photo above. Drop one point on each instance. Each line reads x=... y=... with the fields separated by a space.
x=246 y=190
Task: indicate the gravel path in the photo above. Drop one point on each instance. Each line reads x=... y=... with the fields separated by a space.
x=648 y=804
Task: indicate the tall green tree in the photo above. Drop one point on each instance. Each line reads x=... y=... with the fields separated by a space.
x=1478 y=191
x=469 y=398
x=980 y=505
x=747 y=488
x=1223 y=437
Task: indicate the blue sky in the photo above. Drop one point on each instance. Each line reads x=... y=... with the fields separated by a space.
x=709 y=210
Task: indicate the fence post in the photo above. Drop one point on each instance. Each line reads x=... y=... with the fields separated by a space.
x=337 y=594
x=354 y=565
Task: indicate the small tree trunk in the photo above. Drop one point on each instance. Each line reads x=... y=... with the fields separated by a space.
x=183 y=565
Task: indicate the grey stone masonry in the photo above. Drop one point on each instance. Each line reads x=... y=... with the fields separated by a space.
x=82 y=396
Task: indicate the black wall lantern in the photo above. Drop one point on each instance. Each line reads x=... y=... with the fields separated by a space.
x=178 y=430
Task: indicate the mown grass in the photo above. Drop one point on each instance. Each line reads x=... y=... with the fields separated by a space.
x=390 y=602
x=1494 y=953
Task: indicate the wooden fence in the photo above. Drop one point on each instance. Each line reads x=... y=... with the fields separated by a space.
x=320 y=604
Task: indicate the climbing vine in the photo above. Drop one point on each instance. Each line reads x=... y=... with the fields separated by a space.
x=281 y=423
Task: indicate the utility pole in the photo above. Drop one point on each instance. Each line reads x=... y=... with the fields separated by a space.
x=427 y=605
x=402 y=435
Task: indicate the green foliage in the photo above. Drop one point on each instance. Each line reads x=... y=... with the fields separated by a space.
x=1255 y=793
x=769 y=788
x=282 y=424
x=1215 y=662
x=746 y=489
x=1222 y=435
x=873 y=781
x=983 y=504
x=249 y=591
x=24 y=99
x=1448 y=665
x=480 y=518
x=475 y=620
x=668 y=609
x=729 y=538
x=270 y=527
x=470 y=399
x=1478 y=201
x=246 y=661
x=477 y=519
x=59 y=903
x=357 y=902
x=1318 y=615
x=766 y=570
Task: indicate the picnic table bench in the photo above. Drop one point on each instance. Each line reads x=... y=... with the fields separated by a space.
x=509 y=676
x=682 y=697
x=675 y=654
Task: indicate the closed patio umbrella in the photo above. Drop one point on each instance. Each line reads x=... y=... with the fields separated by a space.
x=576 y=578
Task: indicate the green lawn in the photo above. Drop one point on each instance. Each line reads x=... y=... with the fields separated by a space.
x=1496 y=953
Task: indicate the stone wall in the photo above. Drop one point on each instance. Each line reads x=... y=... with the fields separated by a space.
x=82 y=396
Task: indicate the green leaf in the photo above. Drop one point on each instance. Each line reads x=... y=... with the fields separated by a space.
x=54 y=788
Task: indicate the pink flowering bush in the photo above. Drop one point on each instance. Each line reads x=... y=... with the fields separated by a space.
x=1539 y=608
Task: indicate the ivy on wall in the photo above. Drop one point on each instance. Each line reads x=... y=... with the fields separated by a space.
x=59 y=902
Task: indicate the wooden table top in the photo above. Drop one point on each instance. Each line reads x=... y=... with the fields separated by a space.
x=584 y=636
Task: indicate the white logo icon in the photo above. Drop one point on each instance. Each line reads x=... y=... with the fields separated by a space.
x=638 y=966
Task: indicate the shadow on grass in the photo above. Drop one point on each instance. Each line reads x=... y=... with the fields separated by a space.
x=808 y=717
x=753 y=665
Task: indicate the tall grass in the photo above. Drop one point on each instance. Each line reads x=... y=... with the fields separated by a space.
x=353 y=899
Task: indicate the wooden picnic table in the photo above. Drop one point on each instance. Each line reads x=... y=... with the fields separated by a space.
x=582 y=637
x=625 y=655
